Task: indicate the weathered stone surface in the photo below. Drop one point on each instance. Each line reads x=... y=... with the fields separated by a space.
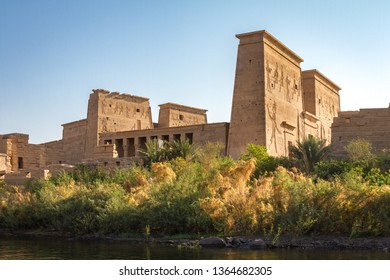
x=370 y=124
x=212 y=242
x=258 y=244
x=275 y=104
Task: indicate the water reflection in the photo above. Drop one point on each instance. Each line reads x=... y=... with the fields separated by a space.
x=57 y=248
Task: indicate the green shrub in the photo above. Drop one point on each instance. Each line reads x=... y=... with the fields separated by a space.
x=383 y=162
x=259 y=152
x=174 y=209
x=308 y=152
x=360 y=150
x=328 y=170
x=270 y=164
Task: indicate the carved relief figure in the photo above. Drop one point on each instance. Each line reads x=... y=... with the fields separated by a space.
x=288 y=82
x=147 y=113
x=296 y=88
x=281 y=79
x=118 y=109
x=322 y=132
x=276 y=74
x=272 y=115
x=104 y=105
x=269 y=70
x=104 y=125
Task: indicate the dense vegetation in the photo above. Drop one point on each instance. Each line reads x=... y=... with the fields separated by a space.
x=183 y=190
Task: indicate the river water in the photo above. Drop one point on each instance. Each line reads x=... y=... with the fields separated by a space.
x=17 y=248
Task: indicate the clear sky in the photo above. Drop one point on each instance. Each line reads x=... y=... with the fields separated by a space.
x=53 y=53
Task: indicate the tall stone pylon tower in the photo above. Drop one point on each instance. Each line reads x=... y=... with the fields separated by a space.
x=267 y=97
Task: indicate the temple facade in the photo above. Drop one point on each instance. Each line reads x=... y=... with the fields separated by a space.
x=275 y=104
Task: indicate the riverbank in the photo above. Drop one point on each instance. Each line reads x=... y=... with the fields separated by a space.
x=239 y=242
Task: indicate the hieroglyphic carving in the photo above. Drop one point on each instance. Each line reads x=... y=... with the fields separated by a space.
x=269 y=70
x=276 y=74
x=118 y=109
x=147 y=114
x=296 y=88
x=322 y=135
x=128 y=111
x=288 y=82
x=104 y=105
x=281 y=81
x=272 y=115
x=104 y=125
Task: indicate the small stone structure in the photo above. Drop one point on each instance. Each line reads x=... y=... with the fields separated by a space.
x=275 y=104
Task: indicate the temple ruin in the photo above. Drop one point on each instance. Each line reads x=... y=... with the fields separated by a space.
x=275 y=104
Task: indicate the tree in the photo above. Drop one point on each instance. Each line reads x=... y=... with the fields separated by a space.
x=159 y=151
x=359 y=150
x=183 y=149
x=310 y=151
x=154 y=151
x=259 y=152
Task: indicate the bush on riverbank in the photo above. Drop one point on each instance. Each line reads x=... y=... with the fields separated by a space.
x=206 y=195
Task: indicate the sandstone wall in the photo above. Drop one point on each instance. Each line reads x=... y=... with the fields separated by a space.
x=267 y=98
x=115 y=112
x=275 y=104
x=53 y=153
x=22 y=155
x=283 y=97
x=247 y=120
x=129 y=143
x=173 y=115
x=370 y=124
x=74 y=141
x=3 y=164
x=321 y=99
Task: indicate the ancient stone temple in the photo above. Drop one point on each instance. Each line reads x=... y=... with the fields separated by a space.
x=275 y=104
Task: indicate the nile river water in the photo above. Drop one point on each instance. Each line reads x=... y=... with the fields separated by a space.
x=58 y=248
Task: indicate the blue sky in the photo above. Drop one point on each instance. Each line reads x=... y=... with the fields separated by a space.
x=53 y=53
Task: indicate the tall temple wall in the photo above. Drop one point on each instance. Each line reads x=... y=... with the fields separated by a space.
x=322 y=100
x=267 y=98
x=114 y=112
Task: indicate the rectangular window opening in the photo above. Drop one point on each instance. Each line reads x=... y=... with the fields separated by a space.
x=142 y=143
x=119 y=147
x=130 y=147
x=189 y=137
x=20 y=163
x=165 y=138
x=176 y=137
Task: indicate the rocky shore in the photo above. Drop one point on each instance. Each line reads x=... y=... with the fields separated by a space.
x=252 y=243
x=304 y=242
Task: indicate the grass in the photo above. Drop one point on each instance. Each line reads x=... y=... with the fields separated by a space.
x=206 y=195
